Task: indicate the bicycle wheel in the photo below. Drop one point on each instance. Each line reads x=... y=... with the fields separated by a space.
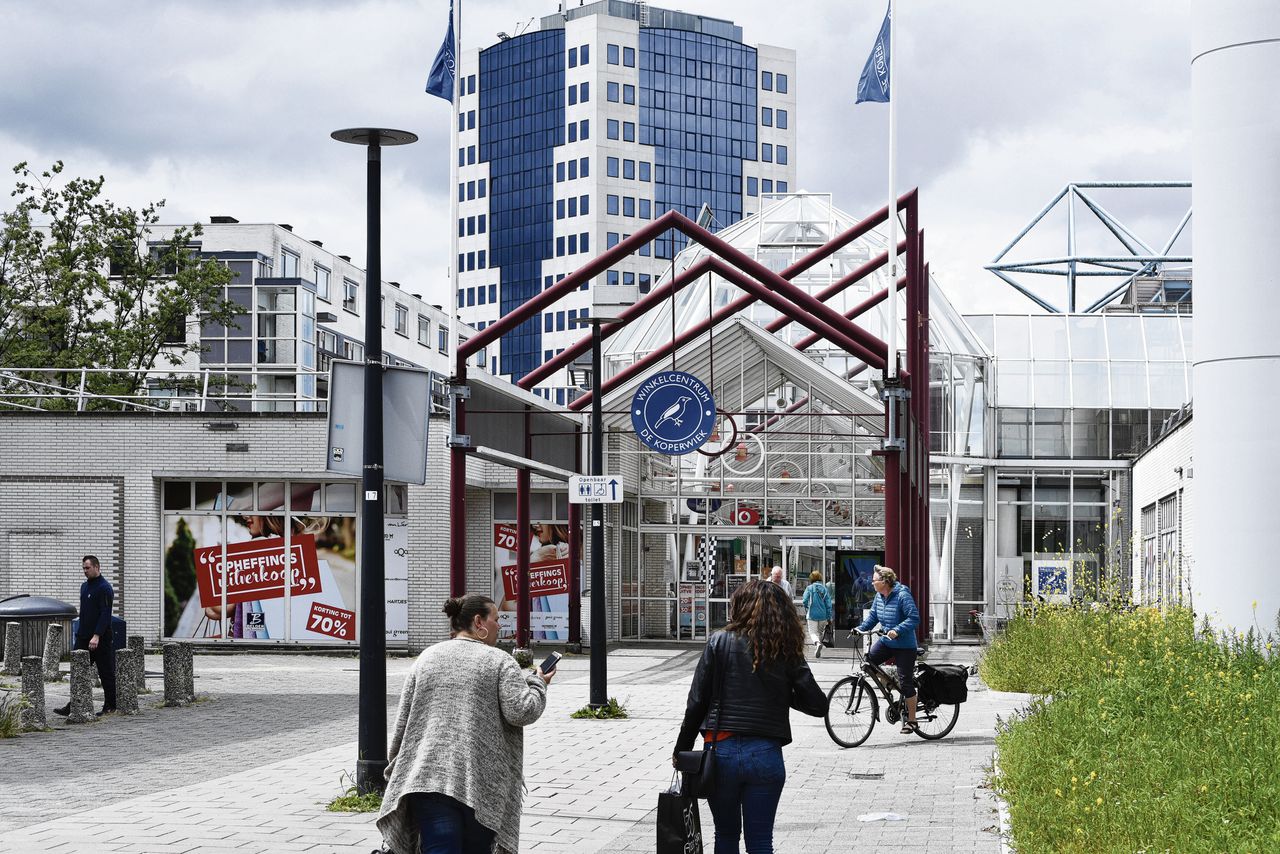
x=852 y=712
x=935 y=721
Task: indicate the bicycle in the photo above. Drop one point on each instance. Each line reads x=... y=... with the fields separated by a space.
x=855 y=707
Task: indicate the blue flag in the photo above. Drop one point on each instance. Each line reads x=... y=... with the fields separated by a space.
x=873 y=85
x=440 y=83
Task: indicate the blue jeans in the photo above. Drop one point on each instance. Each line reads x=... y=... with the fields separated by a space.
x=449 y=827
x=750 y=775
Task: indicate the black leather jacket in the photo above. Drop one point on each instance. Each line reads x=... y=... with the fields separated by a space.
x=753 y=703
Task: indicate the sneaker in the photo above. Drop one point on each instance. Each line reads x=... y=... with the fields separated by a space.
x=104 y=711
x=63 y=710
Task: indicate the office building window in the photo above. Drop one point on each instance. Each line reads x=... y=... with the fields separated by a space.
x=766 y=185
x=766 y=117
x=644 y=209
x=612 y=94
x=766 y=80
x=573 y=206
x=584 y=54
x=573 y=57
x=629 y=57
x=442 y=338
x=480 y=187
x=611 y=54
x=782 y=154
x=782 y=119
x=573 y=169
x=611 y=167
x=584 y=129
x=560 y=171
x=584 y=163
x=402 y=319
x=644 y=170
x=611 y=128
x=782 y=186
x=753 y=187
x=424 y=330
x=782 y=83
x=766 y=152
x=583 y=243
x=628 y=132
x=628 y=206
x=611 y=277
x=573 y=96
x=584 y=205
x=611 y=205
x=584 y=92
x=629 y=169
x=628 y=93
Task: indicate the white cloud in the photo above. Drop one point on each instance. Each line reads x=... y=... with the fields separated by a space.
x=225 y=108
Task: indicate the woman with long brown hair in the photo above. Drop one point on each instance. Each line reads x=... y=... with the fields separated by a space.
x=749 y=678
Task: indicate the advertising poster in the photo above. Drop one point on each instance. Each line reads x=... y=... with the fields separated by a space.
x=854 y=590
x=1051 y=580
x=318 y=568
x=396 y=564
x=548 y=548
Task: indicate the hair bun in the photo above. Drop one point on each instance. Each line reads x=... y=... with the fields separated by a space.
x=452 y=607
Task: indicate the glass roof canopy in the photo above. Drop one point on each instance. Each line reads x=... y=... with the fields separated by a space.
x=1103 y=361
x=787 y=228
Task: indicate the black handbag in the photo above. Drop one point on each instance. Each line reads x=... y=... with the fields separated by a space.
x=828 y=635
x=698 y=767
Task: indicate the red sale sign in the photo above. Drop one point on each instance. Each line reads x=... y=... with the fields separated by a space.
x=257 y=569
x=334 y=622
x=505 y=537
x=546 y=578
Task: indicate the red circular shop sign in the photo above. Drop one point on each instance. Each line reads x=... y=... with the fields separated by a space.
x=746 y=516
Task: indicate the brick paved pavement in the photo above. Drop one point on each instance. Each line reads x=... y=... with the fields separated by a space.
x=249 y=769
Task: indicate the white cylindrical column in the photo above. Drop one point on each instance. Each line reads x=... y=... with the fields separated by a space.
x=1236 y=198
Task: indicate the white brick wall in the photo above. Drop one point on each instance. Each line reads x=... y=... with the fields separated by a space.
x=72 y=484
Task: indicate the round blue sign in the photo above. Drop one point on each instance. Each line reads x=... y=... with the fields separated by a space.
x=673 y=412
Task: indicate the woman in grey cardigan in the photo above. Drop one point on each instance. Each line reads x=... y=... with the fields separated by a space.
x=455 y=780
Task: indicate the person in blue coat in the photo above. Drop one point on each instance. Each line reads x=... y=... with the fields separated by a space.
x=895 y=610
x=818 y=610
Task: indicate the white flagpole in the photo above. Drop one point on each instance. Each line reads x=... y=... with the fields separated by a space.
x=455 y=206
x=891 y=366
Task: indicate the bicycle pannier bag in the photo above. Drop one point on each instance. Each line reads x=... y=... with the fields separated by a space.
x=944 y=683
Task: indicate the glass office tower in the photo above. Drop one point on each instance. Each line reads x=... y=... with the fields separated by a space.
x=573 y=135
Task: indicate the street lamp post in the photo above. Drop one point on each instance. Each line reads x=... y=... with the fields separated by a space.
x=598 y=695
x=371 y=759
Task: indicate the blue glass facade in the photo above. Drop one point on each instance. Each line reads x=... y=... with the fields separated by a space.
x=521 y=121
x=698 y=111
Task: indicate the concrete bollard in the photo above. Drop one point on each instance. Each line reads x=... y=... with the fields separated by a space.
x=127 y=682
x=175 y=680
x=12 y=648
x=189 y=671
x=33 y=717
x=53 y=653
x=138 y=645
x=81 y=688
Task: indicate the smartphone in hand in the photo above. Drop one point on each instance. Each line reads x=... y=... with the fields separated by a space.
x=551 y=661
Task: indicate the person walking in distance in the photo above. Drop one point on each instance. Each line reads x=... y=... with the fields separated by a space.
x=777 y=578
x=750 y=676
x=818 y=610
x=455 y=775
x=93 y=632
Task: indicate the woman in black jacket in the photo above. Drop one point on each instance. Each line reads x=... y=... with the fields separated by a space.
x=757 y=669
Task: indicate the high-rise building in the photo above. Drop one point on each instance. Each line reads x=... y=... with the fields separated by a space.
x=574 y=134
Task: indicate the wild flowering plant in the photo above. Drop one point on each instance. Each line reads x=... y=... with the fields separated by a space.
x=1149 y=734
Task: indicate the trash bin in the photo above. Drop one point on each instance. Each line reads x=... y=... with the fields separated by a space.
x=119 y=635
x=35 y=613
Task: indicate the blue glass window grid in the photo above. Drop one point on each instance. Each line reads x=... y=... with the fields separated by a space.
x=698 y=144
x=522 y=120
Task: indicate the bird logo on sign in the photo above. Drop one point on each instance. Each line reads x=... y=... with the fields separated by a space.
x=674 y=413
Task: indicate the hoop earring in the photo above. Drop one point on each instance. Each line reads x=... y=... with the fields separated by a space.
x=485 y=636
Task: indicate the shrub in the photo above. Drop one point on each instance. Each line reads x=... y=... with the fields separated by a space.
x=11 y=706
x=1157 y=737
x=611 y=709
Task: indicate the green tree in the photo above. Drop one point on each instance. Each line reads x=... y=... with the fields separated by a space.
x=179 y=575
x=86 y=283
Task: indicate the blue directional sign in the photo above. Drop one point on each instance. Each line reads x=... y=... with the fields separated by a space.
x=673 y=412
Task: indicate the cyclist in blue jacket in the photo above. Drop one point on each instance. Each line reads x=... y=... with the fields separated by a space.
x=896 y=612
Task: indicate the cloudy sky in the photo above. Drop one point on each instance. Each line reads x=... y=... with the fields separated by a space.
x=225 y=107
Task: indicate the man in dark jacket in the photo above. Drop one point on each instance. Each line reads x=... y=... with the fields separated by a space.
x=94 y=631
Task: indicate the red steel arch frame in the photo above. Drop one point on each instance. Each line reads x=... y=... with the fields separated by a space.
x=906 y=465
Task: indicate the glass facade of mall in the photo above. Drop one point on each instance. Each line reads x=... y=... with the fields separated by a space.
x=1035 y=422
